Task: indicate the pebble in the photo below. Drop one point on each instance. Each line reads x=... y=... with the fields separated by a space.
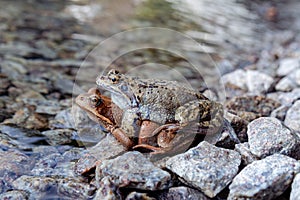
x=244 y=150
x=206 y=167
x=107 y=148
x=59 y=136
x=37 y=187
x=264 y=179
x=286 y=98
x=287 y=65
x=75 y=189
x=292 y=118
x=237 y=77
x=133 y=170
x=258 y=82
x=138 y=196
x=63 y=119
x=286 y=84
x=295 y=193
x=14 y=195
x=267 y=136
x=183 y=193
x=107 y=190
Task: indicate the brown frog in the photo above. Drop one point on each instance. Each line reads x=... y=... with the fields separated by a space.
x=103 y=111
x=161 y=102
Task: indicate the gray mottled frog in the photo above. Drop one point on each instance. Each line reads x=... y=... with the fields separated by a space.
x=162 y=102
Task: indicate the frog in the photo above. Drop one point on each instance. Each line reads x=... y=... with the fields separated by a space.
x=168 y=103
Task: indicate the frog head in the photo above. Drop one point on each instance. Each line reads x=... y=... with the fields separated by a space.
x=119 y=85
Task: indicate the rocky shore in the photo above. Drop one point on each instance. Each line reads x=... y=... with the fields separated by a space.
x=50 y=149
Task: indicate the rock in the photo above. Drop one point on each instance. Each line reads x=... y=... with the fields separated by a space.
x=295 y=193
x=14 y=194
x=287 y=65
x=138 y=196
x=244 y=151
x=183 y=193
x=238 y=124
x=237 y=78
x=74 y=154
x=63 y=119
x=48 y=107
x=59 y=136
x=285 y=84
x=69 y=187
x=292 y=117
x=258 y=82
x=267 y=136
x=206 y=167
x=133 y=170
x=107 y=148
x=37 y=187
x=279 y=112
x=14 y=164
x=286 y=98
x=28 y=118
x=107 y=190
x=264 y=179
x=258 y=105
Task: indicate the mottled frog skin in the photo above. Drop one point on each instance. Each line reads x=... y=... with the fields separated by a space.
x=160 y=101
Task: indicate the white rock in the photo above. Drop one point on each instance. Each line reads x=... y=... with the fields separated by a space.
x=285 y=84
x=237 y=77
x=292 y=119
x=258 y=82
x=287 y=65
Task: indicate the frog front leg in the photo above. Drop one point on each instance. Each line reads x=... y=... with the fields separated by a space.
x=131 y=122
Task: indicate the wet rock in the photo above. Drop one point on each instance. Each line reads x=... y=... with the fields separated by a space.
x=43 y=150
x=13 y=70
x=14 y=163
x=238 y=124
x=37 y=187
x=254 y=81
x=206 y=167
x=138 y=196
x=48 y=107
x=183 y=193
x=292 y=118
x=258 y=105
x=14 y=194
x=59 y=136
x=107 y=148
x=267 y=136
x=27 y=117
x=75 y=189
x=280 y=112
x=63 y=84
x=264 y=179
x=258 y=82
x=237 y=78
x=295 y=193
x=133 y=170
x=244 y=150
x=286 y=84
x=63 y=119
x=107 y=190
x=74 y=154
x=287 y=65
x=286 y=98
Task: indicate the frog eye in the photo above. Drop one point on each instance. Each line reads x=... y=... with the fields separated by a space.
x=95 y=101
x=114 y=79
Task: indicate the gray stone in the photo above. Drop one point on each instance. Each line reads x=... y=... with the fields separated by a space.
x=107 y=148
x=285 y=84
x=133 y=170
x=237 y=77
x=288 y=98
x=295 y=193
x=264 y=179
x=59 y=136
x=267 y=136
x=48 y=107
x=287 y=65
x=258 y=82
x=14 y=195
x=139 y=196
x=107 y=190
x=292 y=118
x=279 y=112
x=247 y=156
x=206 y=167
x=37 y=187
x=75 y=189
x=183 y=193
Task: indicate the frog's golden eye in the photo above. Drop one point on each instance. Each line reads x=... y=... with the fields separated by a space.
x=95 y=101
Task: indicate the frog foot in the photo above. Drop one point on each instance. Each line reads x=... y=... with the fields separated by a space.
x=170 y=128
